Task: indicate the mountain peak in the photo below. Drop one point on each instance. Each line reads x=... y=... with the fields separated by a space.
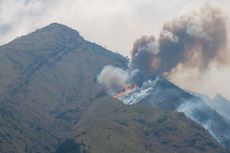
x=219 y=97
x=54 y=34
x=57 y=27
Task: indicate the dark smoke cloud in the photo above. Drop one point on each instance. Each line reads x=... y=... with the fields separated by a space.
x=193 y=42
x=142 y=56
x=202 y=36
x=196 y=40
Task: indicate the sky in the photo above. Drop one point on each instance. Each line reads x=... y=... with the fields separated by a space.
x=112 y=24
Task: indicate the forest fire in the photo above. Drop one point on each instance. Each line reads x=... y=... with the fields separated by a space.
x=126 y=89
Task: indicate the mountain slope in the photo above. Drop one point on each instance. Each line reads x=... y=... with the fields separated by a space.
x=49 y=76
x=109 y=126
x=49 y=93
x=162 y=94
x=219 y=104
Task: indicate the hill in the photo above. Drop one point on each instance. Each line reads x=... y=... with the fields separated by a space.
x=47 y=79
x=49 y=96
x=162 y=94
x=110 y=126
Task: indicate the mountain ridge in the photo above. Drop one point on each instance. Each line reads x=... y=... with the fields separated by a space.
x=49 y=86
x=51 y=79
x=108 y=121
x=165 y=95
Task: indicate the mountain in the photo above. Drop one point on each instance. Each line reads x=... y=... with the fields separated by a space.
x=219 y=104
x=162 y=94
x=109 y=126
x=46 y=77
x=50 y=101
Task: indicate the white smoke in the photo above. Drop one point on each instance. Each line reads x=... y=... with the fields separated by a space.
x=113 y=78
x=214 y=80
x=189 y=108
x=219 y=104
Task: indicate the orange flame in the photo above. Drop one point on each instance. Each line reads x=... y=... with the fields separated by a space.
x=126 y=89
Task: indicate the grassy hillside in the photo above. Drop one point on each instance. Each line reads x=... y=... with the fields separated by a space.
x=47 y=79
x=109 y=126
x=50 y=102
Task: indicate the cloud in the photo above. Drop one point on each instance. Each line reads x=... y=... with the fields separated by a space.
x=116 y=24
x=192 y=41
x=142 y=56
x=215 y=80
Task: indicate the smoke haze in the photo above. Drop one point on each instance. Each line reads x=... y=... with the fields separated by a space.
x=142 y=56
x=191 y=47
x=113 y=78
x=194 y=40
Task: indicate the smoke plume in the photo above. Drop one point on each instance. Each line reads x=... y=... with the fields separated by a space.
x=113 y=78
x=188 y=46
x=193 y=41
x=142 y=54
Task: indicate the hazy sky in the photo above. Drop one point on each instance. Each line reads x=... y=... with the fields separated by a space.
x=111 y=23
x=115 y=24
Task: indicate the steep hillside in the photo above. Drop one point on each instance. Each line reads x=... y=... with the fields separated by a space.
x=109 y=126
x=50 y=101
x=162 y=94
x=219 y=104
x=46 y=80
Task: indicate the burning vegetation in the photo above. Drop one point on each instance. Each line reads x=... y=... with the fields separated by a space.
x=193 y=41
x=125 y=90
